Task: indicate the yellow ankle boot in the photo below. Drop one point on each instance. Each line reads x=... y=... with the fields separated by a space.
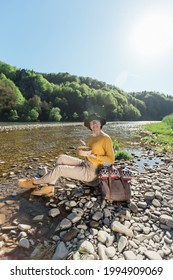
x=44 y=191
x=26 y=183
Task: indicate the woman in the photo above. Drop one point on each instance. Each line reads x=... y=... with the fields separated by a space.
x=75 y=168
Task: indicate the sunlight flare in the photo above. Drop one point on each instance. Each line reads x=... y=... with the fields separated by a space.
x=151 y=36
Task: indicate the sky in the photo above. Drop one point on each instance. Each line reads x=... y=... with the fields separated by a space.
x=125 y=43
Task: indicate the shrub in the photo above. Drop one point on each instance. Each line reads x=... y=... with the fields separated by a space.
x=168 y=120
x=122 y=155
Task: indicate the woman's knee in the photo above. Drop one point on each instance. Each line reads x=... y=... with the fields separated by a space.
x=61 y=159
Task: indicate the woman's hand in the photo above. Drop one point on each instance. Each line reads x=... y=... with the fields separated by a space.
x=83 y=142
x=92 y=156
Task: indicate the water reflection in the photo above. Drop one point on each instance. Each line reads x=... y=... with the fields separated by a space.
x=142 y=160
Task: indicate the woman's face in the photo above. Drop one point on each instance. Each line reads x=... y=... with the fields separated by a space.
x=95 y=125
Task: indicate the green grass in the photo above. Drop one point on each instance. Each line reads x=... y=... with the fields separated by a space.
x=161 y=133
x=116 y=144
x=159 y=128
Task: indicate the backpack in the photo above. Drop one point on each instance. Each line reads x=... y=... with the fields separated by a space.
x=114 y=183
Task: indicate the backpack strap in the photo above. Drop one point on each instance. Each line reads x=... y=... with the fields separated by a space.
x=110 y=186
x=125 y=189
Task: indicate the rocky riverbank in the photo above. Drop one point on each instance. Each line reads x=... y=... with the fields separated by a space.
x=77 y=224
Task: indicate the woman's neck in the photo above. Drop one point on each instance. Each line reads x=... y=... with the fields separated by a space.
x=96 y=133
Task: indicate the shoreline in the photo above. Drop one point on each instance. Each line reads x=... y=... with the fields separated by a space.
x=5 y=126
x=16 y=126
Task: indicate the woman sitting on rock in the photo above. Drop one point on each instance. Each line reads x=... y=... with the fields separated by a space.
x=75 y=168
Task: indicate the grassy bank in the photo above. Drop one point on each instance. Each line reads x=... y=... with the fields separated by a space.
x=159 y=134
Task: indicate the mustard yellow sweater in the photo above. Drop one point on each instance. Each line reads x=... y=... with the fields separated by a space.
x=101 y=147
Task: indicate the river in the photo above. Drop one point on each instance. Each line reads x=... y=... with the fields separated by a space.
x=20 y=141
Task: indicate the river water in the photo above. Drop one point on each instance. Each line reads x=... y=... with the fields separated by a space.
x=20 y=141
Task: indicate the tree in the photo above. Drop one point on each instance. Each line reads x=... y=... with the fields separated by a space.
x=35 y=102
x=33 y=115
x=55 y=114
x=9 y=94
x=75 y=116
x=13 y=116
x=131 y=113
x=8 y=70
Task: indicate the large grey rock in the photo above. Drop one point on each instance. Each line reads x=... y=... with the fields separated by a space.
x=167 y=220
x=61 y=252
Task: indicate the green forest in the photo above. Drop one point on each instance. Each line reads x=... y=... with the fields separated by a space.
x=26 y=96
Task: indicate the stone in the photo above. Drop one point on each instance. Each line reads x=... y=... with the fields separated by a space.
x=146 y=230
x=102 y=236
x=156 y=202
x=54 y=212
x=125 y=214
x=87 y=247
x=24 y=227
x=142 y=204
x=158 y=195
x=142 y=237
x=24 y=242
x=78 y=211
x=2 y=219
x=97 y=216
x=152 y=255
x=149 y=195
x=110 y=240
x=64 y=224
x=2 y=243
x=129 y=255
x=133 y=207
x=118 y=227
x=122 y=242
x=72 y=203
x=110 y=251
x=94 y=224
x=167 y=220
x=38 y=218
x=102 y=252
x=61 y=252
x=73 y=217
x=70 y=235
x=133 y=244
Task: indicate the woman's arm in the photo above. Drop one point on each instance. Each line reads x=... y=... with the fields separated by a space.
x=109 y=155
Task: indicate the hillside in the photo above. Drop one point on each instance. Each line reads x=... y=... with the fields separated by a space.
x=26 y=95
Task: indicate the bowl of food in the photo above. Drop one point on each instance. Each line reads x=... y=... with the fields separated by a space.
x=83 y=151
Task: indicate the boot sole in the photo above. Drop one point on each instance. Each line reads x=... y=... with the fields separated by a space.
x=41 y=191
x=45 y=195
